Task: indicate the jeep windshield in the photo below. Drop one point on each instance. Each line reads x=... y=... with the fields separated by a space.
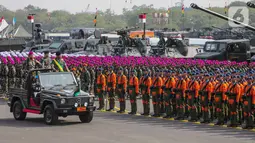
x=55 y=45
x=214 y=47
x=62 y=80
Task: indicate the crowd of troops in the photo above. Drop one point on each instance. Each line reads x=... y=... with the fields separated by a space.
x=220 y=95
x=224 y=94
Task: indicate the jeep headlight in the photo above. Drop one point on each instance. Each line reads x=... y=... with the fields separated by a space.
x=91 y=99
x=85 y=104
x=63 y=101
x=76 y=105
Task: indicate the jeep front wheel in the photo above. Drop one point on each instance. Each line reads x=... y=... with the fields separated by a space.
x=50 y=117
x=18 y=111
x=86 y=118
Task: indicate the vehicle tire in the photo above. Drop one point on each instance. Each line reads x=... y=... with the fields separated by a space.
x=87 y=117
x=50 y=117
x=18 y=111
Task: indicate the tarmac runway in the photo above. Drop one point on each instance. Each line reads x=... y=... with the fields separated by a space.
x=110 y=127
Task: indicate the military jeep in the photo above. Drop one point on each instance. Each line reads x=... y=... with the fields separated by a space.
x=52 y=94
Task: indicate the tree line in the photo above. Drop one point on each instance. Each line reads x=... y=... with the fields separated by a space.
x=60 y=20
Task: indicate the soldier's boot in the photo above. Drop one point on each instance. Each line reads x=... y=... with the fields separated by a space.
x=133 y=103
x=162 y=107
x=101 y=104
x=240 y=116
x=193 y=117
x=111 y=104
x=168 y=110
x=171 y=110
x=156 y=110
x=206 y=116
x=180 y=113
x=132 y=109
x=233 y=122
x=248 y=122
x=122 y=106
x=220 y=117
x=145 y=113
x=212 y=113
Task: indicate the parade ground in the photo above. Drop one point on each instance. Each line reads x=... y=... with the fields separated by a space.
x=110 y=127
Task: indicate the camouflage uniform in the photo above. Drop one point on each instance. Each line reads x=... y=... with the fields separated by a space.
x=46 y=63
x=85 y=80
x=19 y=76
x=11 y=76
x=93 y=78
x=4 y=73
x=27 y=66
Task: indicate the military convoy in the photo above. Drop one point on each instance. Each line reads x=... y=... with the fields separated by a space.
x=52 y=94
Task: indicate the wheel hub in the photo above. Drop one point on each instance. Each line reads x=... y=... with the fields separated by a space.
x=48 y=116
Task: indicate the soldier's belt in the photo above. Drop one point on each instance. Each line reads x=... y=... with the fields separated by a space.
x=203 y=92
x=120 y=85
x=110 y=84
x=131 y=86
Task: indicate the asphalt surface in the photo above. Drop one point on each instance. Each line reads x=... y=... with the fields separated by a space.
x=110 y=127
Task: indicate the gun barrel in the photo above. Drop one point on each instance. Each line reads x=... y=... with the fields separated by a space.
x=250 y=4
x=195 y=6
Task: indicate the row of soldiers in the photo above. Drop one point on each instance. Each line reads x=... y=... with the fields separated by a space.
x=209 y=94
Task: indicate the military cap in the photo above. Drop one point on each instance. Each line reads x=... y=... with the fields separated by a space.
x=31 y=53
x=58 y=53
x=46 y=52
x=120 y=68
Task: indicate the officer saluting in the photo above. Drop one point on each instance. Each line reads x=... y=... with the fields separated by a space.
x=58 y=64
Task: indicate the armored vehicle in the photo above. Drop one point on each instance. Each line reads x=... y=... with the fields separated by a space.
x=66 y=46
x=52 y=94
x=232 y=50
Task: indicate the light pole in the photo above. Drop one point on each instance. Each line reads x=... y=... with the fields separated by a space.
x=31 y=18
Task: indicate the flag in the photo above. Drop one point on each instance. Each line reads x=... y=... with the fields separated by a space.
x=142 y=18
x=182 y=10
x=30 y=19
x=226 y=8
x=168 y=10
x=3 y=24
x=14 y=21
x=1 y=19
x=95 y=19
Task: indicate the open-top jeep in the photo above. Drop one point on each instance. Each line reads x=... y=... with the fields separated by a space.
x=52 y=94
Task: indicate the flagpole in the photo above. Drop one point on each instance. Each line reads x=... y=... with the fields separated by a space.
x=182 y=1
x=171 y=14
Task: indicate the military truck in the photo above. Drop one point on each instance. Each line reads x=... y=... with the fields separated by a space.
x=52 y=94
x=231 y=50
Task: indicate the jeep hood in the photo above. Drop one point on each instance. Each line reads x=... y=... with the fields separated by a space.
x=64 y=92
x=207 y=55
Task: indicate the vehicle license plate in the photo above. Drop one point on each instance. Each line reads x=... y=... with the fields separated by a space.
x=80 y=109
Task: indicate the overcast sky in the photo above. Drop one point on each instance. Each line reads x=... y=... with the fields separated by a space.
x=74 y=6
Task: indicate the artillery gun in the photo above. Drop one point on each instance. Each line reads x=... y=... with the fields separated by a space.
x=234 y=50
x=127 y=45
x=195 y=6
x=38 y=40
x=171 y=46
